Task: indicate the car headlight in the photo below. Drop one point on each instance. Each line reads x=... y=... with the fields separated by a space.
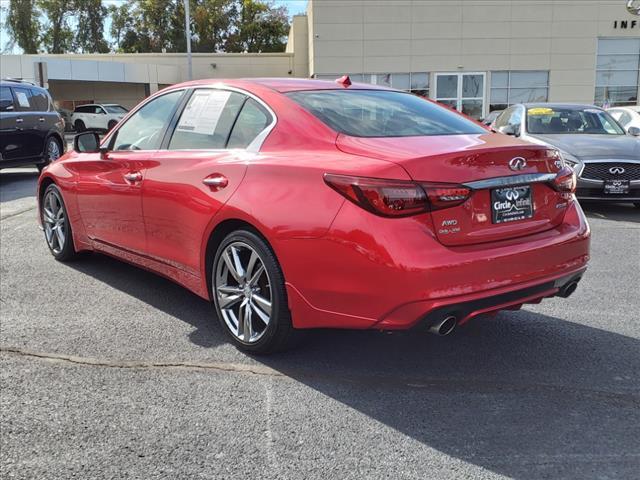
x=569 y=159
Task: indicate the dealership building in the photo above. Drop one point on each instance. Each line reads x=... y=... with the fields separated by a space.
x=475 y=55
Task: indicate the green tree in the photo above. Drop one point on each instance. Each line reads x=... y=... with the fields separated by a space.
x=89 y=37
x=121 y=22
x=261 y=27
x=22 y=25
x=212 y=22
x=57 y=36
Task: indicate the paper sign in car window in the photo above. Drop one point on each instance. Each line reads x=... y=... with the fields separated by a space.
x=540 y=111
x=202 y=113
x=22 y=98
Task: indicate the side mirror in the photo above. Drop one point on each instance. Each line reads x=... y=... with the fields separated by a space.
x=86 y=142
x=510 y=129
x=635 y=131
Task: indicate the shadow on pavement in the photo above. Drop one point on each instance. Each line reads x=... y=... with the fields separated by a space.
x=18 y=183
x=524 y=395
x=611 y=211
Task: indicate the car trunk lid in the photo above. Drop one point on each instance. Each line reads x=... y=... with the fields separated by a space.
x=505 y=201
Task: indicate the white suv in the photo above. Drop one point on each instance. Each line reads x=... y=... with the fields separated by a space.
x=99 y=117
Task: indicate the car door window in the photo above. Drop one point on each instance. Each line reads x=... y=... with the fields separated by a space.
x=206 y=121
x=515 y=118
x=99 y=110
x=40 y=100
x=23 y=99
x=253 y=119
x=6 y=100
x=145 y=128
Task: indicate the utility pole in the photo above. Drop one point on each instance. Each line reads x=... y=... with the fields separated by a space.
x=187 y=29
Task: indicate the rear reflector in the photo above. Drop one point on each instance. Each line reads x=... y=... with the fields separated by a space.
x=397 y=198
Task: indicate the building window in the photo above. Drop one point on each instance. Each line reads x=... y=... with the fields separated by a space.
x=415 y=82
x=617 y=71
x=511 y=87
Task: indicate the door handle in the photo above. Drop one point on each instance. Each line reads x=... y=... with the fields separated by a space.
x=216 y=181
x=19 y=120
x=133 y=177
x=41 y=119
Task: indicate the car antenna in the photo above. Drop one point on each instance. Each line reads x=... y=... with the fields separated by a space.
x=344 y=80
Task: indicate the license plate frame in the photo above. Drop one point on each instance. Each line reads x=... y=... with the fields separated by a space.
x=511 y=204
x=616 y=187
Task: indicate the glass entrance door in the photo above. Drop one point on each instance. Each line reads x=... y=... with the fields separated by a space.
x=463 y=91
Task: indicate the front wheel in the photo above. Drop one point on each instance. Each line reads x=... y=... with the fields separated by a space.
x=249 y=294
x=57 y=229
x=79 y=126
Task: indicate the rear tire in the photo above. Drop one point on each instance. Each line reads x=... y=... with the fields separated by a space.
x=249 y=294
x=79 y=126
x=52 y=151
x=57 y=228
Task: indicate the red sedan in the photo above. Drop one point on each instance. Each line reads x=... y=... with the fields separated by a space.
x=294 y=204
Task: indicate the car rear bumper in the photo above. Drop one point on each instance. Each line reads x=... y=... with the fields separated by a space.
x=371 y=272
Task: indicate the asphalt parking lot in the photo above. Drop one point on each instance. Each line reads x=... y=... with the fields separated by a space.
x=112 y=372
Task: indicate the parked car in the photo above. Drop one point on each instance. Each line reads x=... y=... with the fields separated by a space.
x=31 y=131
x=97 y=117
x=296 y=204
x=605 y=157
x=489 y=119
x=626 y=116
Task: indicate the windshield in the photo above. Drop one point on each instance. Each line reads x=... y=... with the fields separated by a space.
x=115 y=109
x=572 y=121
x=381 y=113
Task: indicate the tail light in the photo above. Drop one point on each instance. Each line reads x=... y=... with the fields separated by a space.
x=565 y=181
x=397 y=198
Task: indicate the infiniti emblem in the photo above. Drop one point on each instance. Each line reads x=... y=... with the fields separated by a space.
x=517 y=163
x=633 y=6
x=616 y=170
x=512 y=195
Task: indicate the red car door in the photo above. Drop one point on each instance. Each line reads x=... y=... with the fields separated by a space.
x=110 y=184
x=189 y=181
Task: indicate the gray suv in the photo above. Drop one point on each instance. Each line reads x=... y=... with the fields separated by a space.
x=605 y=158
x=31 y=131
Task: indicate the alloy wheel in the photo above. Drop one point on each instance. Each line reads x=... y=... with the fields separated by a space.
x=53 y=151
x=54 y=220
x=243 y=292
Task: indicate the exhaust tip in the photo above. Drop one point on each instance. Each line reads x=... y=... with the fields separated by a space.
x=444 y=326
x=568 y=289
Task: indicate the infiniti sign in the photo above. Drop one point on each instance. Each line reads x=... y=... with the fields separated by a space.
x=517 y=163
x=616 y=170
x=512 y=195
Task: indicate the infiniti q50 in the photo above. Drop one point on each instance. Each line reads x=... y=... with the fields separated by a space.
x=296 y=204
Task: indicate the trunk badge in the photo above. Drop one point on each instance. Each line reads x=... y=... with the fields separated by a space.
x=517 y=163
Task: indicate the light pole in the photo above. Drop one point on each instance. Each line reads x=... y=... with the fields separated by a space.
x=187 y=29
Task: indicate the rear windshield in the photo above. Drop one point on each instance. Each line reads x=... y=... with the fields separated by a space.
x=381 y=113
x=571 y=121
x=115 y=109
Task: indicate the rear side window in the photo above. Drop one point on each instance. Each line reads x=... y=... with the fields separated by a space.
x=6 y=99
x=207 y=119
x=40 y=100
x=252 y=120
x=381 y=113
x=24 y=101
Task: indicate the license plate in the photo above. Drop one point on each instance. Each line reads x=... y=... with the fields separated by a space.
x=511 y=203
x=616 y=187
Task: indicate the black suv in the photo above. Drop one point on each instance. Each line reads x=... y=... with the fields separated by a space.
x=31 y=131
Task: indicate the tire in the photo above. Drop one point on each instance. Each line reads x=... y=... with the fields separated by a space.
x=636 y=204
x=234 y=292
x=79 y=126
x=57 y=229
x=111 y=124
x=52 y=151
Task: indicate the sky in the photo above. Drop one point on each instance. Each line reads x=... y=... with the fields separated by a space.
x=294 y=6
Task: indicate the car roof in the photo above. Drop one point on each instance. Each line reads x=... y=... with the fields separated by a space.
x=284 y=85
x=633 y=108
x=560 y=105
